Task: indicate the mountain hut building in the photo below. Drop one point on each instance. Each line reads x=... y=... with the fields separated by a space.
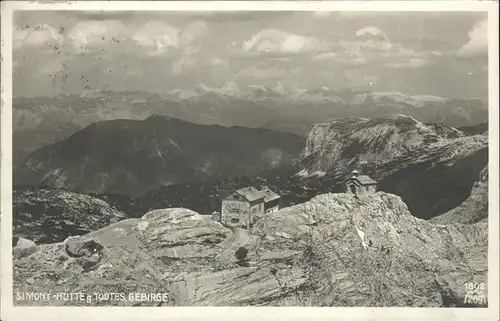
x=243 y=207
x=360 y=184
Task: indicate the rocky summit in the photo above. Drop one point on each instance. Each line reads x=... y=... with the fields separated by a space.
x=335 y=250
x=335 y=145
x=431 y=166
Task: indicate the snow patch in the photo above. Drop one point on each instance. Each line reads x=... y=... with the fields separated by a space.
x=119 y=230
x=302 y=173
x=362 y=237
x=318 y=174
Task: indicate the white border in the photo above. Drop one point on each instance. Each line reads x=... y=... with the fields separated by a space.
x=8 y=312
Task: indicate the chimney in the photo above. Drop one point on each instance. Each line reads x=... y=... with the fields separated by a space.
x=355 y=173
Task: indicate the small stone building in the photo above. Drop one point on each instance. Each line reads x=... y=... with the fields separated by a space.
x=360 y=184
x=243 y=207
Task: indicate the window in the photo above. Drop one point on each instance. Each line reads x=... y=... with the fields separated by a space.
x=254 y=210
x=235 y=220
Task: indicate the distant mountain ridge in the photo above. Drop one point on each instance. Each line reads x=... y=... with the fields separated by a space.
x=40 y=121
x=131 y=157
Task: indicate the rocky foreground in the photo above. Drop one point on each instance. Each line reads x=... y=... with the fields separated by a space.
x=48 y=215
x=335 y=250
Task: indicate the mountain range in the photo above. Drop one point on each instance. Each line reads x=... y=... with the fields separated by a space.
x=162 y=162
x=40 y=121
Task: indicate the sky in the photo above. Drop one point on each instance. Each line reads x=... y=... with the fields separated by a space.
x=415 y=53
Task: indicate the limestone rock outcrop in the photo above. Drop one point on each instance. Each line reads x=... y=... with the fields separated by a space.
x=335 y=250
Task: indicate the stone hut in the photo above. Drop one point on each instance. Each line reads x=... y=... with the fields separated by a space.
x=360 y=184
x=244 y=206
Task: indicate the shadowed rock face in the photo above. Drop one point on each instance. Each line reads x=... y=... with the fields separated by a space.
x=473 y=209
x=132 y=157
x=334 y=250
x=48 y=215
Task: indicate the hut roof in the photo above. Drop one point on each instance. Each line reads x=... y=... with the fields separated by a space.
x=250 y=193
x=364 y=180
x=269 y=195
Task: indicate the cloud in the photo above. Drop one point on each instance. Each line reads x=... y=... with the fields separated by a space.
x=325 y=56
x=478 y=41
x=356 y=61
x=217 y=62
x=91 y=34
x=372 y=47
x=156 y=37
x=262 y=73
x=374 y=41
x=37 y=36
x=162 y=50
x=277 y=41
x=410 y=63
x=190 y=46
x=346 y=58
x=371 y=31
x=192 y=31
x=183 y=63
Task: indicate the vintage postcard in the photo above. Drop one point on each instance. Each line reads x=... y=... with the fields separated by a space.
x=249 y=160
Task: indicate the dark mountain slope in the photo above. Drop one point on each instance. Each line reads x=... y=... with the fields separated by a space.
x=474 y=208
x=475 y=130
x=131 y=157
x=434 y=187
